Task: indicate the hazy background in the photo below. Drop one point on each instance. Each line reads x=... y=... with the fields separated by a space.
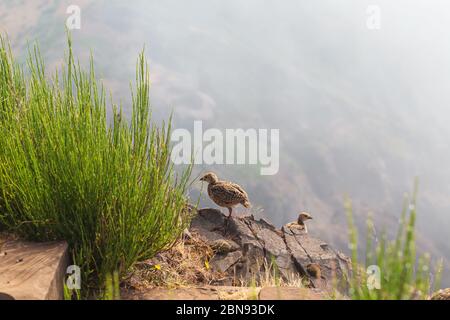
x=361 y=112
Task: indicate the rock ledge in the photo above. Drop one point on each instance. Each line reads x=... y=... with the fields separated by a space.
x=246 y=247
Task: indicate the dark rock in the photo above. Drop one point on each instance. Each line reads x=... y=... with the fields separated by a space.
x=214 y=217
x=298 y=253
x=224 y=246
x=206 y=223
x=222 y=262
x=306 y=249
x=239 y=230
x=274 y=246
x=252 y=262
x=256 y=245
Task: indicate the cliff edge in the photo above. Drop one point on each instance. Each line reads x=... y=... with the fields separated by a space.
x=218 y=253
x=245 y=248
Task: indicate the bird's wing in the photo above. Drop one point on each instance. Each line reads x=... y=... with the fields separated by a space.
x=239 y=188
x=228 y=192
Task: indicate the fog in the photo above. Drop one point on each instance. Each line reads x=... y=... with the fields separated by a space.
x=361 y=112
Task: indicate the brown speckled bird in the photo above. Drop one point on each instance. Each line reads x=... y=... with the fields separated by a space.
x=443 y=294
x=302 y=217
x=225 y=194
x=300 y=223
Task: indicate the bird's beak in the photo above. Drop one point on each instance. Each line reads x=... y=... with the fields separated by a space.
x=202 y=179
x=310 y=218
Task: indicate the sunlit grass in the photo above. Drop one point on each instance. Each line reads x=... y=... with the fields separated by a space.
x=67 y=173
x=403 y=274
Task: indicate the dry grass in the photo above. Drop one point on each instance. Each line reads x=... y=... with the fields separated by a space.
x=270 y=277
x=186 y=264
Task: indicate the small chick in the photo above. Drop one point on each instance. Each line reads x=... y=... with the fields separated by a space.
x=313 y=270
x=302 y=217
x=225 y=194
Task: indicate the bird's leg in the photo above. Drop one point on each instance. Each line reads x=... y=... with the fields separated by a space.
x=226 y=222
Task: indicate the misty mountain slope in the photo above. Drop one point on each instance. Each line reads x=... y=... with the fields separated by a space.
x=360 y=112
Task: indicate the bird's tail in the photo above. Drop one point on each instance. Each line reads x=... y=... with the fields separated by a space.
x=246 y=204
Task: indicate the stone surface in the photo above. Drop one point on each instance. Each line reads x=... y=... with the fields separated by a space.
x=261 y=245
x=203 y=293
x=306 y=249
x=32 y=271
x=226 y=293
x=224 y=246
x=222 y=262
x=291 y=293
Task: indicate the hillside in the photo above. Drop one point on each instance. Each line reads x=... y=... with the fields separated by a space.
x=361 y=113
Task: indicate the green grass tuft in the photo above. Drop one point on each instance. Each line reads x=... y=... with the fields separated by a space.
x=403 y=274
x=67 y=173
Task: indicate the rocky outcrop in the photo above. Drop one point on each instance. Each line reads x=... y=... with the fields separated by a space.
x=246 y=248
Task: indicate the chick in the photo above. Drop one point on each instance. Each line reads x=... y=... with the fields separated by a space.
x=302 y=217
x=299 y=225
x=225 y=194
x=314 y=270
